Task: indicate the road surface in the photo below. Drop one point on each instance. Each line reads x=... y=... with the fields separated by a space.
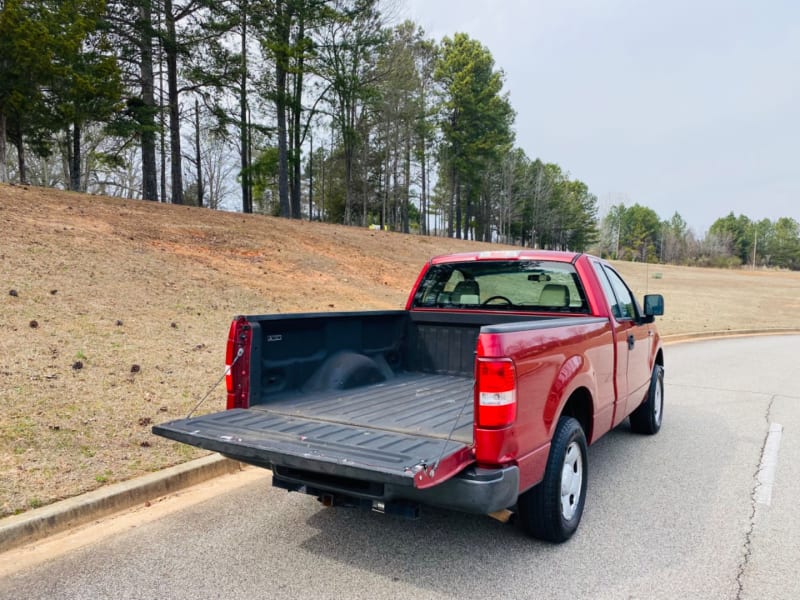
x=705 y=509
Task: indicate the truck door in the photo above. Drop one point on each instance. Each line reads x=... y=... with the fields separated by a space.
x=637 y=341
x=631 y=349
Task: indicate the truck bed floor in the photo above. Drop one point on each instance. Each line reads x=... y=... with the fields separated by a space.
x=416 y=403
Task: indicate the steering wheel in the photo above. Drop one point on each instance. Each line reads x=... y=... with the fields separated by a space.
x=503 y=298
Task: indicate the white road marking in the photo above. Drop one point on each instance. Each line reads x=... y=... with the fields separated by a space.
x=769 y=462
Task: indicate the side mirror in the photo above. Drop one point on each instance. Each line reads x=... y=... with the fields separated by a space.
x=653 y=305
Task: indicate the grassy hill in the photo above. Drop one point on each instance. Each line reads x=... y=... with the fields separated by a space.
x=114 y=315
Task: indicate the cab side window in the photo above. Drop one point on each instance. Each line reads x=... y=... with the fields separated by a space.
x=609 y=293
x=625 y=303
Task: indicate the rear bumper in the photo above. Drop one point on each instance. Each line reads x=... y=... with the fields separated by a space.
x=474 y=490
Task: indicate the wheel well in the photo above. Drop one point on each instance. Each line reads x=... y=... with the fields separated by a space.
x=579 y=406
x=660 y=357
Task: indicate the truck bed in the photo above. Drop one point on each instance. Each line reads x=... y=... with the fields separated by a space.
x=385 y=432
x=382 y=397
x=417 y=403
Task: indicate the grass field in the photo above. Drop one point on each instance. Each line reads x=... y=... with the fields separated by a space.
x=114 y=316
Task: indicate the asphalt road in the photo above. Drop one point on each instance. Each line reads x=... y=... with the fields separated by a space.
x=689 y=513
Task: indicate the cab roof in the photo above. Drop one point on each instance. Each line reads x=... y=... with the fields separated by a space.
x=521 y=254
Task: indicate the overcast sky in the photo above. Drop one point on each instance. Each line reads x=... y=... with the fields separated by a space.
x=687 y=106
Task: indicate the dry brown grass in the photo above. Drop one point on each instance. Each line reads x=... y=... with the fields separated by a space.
x=141 y=295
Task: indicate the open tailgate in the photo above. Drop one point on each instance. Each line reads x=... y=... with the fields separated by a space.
x=260 y=437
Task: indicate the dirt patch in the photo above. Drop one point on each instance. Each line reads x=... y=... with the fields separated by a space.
x=132 y=301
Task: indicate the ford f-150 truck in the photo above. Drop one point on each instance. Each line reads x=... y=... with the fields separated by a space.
x=480 y=396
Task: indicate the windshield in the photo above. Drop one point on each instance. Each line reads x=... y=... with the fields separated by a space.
x=503 y=285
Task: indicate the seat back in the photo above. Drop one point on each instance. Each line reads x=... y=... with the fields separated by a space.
x=466 y=292
x=554 y=295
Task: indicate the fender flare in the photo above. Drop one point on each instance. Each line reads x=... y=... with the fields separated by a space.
x=575 y=373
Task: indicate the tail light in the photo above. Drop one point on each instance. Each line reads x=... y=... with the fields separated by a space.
x=497 y=392
x=237 y=362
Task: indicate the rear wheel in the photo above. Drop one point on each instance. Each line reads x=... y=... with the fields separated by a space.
x=647 y=418
x=552 y=510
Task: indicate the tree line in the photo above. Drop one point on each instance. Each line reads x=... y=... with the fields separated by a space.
x=636 y=233
x=315 y=109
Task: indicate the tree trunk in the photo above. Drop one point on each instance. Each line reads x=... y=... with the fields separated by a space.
x=297 y=111
x=200 y=190
x=162 y=129
x=423 y=205
x=458 y=206
x=348 y=175
x=247 y=199
x=364 y=189
x=3 y=150
x=468 y=212
x=282 y=43
x=162 y=146
x=407 y=184
x=485 y=216
x=296 y=165
x=147 y=121
x=18 y=142
x=348 y=141
x=385 y=191
x=330 y=175
x=283 y=162
x=311 y=178
x=395 y=177
x=450 y=216
x=75 y=159
x=171 y=48
x=321 y=210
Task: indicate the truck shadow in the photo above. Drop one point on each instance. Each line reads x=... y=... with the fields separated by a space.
x=638 y=499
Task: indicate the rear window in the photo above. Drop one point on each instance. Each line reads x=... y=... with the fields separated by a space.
x=503 y=285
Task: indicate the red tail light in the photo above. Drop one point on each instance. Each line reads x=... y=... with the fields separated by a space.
x=237 y=361
x=496 y=392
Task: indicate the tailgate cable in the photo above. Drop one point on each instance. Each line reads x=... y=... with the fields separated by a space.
x=213 y=387
x=432 y=471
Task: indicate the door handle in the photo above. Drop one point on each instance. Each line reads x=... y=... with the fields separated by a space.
x=631 y=341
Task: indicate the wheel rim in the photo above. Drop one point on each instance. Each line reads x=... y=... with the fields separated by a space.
x=571 y=481
x=658 y=402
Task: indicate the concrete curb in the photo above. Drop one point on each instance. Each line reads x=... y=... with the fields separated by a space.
x=59 y=516
x=677 y=338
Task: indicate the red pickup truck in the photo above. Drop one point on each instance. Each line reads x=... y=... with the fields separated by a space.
x=480 y=396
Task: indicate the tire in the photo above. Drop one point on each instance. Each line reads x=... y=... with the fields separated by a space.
x=647 y=418
x=552 y=510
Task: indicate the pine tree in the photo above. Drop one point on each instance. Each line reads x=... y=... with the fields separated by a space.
x=25 y=51
x=86 y=85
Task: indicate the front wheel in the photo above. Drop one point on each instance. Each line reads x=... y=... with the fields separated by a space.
x=552 y=510
x=647 y=418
